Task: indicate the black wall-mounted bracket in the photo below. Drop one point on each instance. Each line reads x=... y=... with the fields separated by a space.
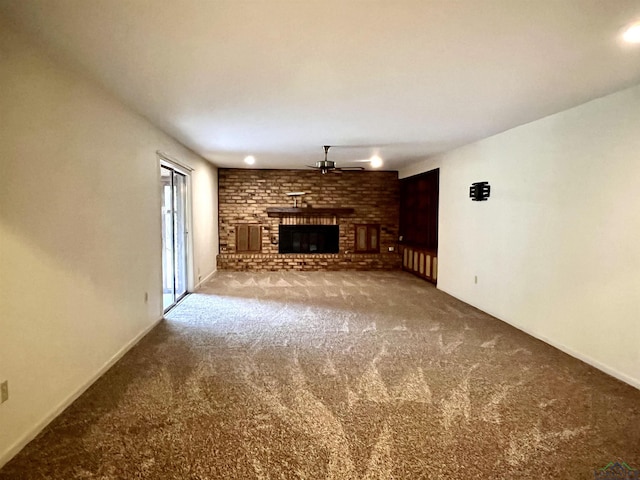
x=479 y=191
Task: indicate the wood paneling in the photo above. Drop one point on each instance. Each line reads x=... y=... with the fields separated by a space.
x=419 y=210
x=421 y=262
x=419 y=224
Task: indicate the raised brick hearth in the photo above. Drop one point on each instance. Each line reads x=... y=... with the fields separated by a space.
x=306 y=262
x=245 y=195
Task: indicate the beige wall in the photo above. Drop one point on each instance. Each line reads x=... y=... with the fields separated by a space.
x=79 y=233
x=204 y=207
x=557 y=246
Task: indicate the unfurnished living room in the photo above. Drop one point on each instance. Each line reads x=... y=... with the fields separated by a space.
x=319 y=239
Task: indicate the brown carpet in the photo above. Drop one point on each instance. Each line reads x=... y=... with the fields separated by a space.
x=368 y=375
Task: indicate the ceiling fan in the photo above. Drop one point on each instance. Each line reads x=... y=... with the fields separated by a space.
x=330 y=166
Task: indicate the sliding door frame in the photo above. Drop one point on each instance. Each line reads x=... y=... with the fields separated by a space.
x=171 y=163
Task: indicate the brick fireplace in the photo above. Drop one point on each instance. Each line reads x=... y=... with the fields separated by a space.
x=361 y=207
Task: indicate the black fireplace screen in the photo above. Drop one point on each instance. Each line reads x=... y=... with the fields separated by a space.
x=309 y=239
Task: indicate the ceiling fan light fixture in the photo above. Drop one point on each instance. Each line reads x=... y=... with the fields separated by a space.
x=632 y=33
x=375 y=161
x=249 y=159
x=325 y=166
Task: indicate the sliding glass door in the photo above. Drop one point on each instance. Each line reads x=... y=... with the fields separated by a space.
x=174 y=236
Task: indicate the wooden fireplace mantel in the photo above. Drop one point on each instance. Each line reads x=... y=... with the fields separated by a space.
x=307 y=211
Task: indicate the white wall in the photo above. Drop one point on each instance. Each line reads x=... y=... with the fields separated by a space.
x=204 y=203
x=79 y=233
x=557 y=246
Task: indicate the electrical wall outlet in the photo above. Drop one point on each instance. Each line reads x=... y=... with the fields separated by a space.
x=475 y=279
x=4 y=391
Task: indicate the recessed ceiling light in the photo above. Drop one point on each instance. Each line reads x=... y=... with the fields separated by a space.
x=249 y=160
x=632 y=34
x=376 y=161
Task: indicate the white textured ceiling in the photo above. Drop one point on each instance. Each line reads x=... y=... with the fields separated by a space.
x=279 y=79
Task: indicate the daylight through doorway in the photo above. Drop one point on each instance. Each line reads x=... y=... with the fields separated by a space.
x=174 y=236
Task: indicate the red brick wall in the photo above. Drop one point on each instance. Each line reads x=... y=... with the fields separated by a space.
x=244 y=196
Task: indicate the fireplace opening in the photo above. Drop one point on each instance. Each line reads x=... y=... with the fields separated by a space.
x=309 y=239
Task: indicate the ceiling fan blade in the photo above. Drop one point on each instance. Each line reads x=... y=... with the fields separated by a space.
x=361 y=146
x=326 y=166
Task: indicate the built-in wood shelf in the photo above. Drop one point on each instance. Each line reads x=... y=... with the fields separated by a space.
x=307 y=211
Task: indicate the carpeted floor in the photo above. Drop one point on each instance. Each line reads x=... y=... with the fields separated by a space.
x=364 y=375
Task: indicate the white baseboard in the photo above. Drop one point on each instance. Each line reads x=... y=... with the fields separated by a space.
x=33 y=432
x=202 y=282
x=634 y=382
x=623 y=377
